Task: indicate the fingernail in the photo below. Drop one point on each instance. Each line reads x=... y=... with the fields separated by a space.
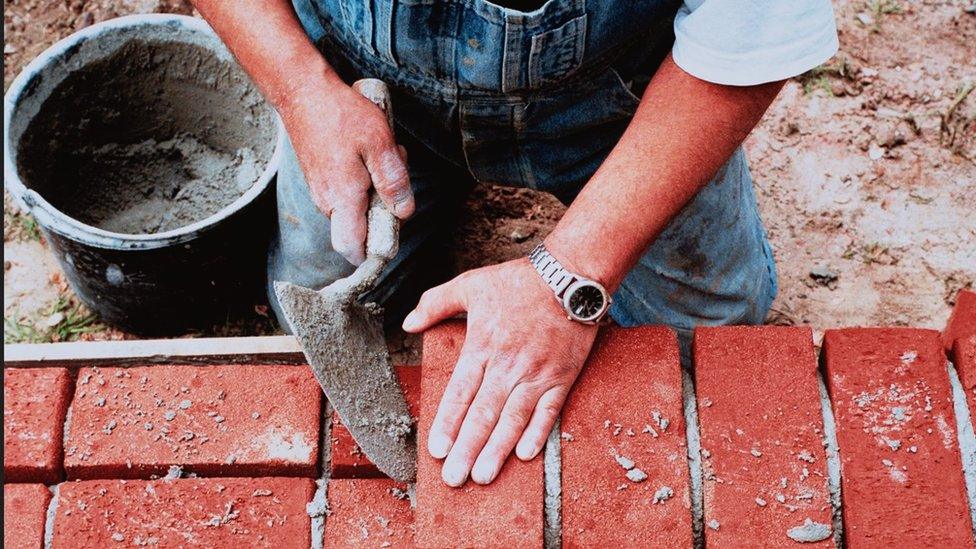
x=483 y=474
x=439 y=446
x=412 y=322
x=454 y=474
x=401 y=202
x=525 y=452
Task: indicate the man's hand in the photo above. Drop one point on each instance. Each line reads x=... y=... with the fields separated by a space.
x=345 y=146
x=520 y=358
x=343 y=142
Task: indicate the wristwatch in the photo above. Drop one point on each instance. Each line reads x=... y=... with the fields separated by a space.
x=584 y=300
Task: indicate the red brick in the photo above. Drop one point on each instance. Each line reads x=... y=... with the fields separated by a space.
x=24 y=514
x=212 y=420
x=962 y=322
x=348 y=461
x=212 y=512
x=508 y=512
x=888 y=385
x=761 y=427
x=372 y=512
x=35 y=403
x=964 y=358
x=631 y=375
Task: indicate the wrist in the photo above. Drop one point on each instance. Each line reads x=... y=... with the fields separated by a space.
x=310 y=80
x=577 y=260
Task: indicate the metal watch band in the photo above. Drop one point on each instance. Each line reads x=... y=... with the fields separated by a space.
x=552 y=272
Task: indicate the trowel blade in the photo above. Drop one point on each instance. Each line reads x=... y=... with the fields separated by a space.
x=344 y=344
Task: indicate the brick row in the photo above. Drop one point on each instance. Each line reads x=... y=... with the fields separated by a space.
x=348 y=461
x=902 y=481
x=229 y=420
x=24 y=514
x=370 y=512
x=507 y=513
x=35 y=404
x=964 y=358
x=761 y=425
x=962 y=321
x=623 y=449
x=212 y=512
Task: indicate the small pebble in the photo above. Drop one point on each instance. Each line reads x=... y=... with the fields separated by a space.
x=714 y=524
x=760 y=502
x=185 y=404
x=755 y=453
x=169 y=415
x=636 y=475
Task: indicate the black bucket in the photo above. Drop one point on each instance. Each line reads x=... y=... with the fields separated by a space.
x=147 y=158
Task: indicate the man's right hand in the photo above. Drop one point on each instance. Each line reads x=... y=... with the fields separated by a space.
x=345 y=146
x=343 y=141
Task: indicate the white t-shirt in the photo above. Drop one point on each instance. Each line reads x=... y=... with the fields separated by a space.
x=746 y=42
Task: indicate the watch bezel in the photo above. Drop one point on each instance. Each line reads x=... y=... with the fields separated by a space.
x=596 y=317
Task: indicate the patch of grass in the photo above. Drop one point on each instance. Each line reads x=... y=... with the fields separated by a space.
x=874 y=252
x=20 y=331
x=19 y=226
x=819 y=78
x=65 y=320
x=956 y=129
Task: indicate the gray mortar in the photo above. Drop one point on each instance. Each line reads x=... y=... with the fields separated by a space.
x=967 y=440
x=552 y=534
x=694 y=458
x=156 y=136
x=52 y=511
x=833 y=461
x=317 y=509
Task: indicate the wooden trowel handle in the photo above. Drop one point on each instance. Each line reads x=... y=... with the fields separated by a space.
x=382 y=227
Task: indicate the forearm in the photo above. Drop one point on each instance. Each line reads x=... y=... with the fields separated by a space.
x=682 y=133
x=271 y=45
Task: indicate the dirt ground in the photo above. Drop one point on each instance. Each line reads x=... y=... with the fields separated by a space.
x=865 y=170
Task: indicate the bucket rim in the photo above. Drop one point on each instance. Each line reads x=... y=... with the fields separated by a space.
x=53 y=219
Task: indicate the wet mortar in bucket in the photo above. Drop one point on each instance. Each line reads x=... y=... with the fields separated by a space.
x=156 y=136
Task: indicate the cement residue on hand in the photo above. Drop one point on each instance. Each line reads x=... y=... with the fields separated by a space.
x=156 y=136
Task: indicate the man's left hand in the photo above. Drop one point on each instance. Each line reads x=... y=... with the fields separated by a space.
x=519 y=360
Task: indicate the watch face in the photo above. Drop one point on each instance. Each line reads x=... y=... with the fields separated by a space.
x=586 y=302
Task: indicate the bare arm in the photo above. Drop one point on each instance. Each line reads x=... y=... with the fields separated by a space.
x=342 y=141
x=521 y=355
x=682 y=133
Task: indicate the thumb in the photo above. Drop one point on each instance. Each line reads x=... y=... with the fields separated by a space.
x=435 y=305
x=388 y=168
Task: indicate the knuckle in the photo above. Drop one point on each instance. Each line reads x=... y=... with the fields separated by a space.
x=483 y=415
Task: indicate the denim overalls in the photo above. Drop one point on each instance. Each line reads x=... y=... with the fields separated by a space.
x=487 y=94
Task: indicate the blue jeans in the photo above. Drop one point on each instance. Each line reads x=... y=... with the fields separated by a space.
x=487 y=94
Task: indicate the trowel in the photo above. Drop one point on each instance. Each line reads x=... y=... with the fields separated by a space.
x=344 y=344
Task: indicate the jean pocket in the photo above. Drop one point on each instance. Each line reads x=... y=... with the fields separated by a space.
x=357 y=20
x=556 y=53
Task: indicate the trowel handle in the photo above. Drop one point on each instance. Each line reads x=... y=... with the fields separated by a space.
x=382 y=227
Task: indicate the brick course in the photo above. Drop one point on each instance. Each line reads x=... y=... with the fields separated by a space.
x=24 y=514
x=212 y=512
x=761 y=426
x=962 y=322
x=212 y=420
x=35 y=403
x=902 y=482
x=371 y=512
x=506 y=513
x=624 y=417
